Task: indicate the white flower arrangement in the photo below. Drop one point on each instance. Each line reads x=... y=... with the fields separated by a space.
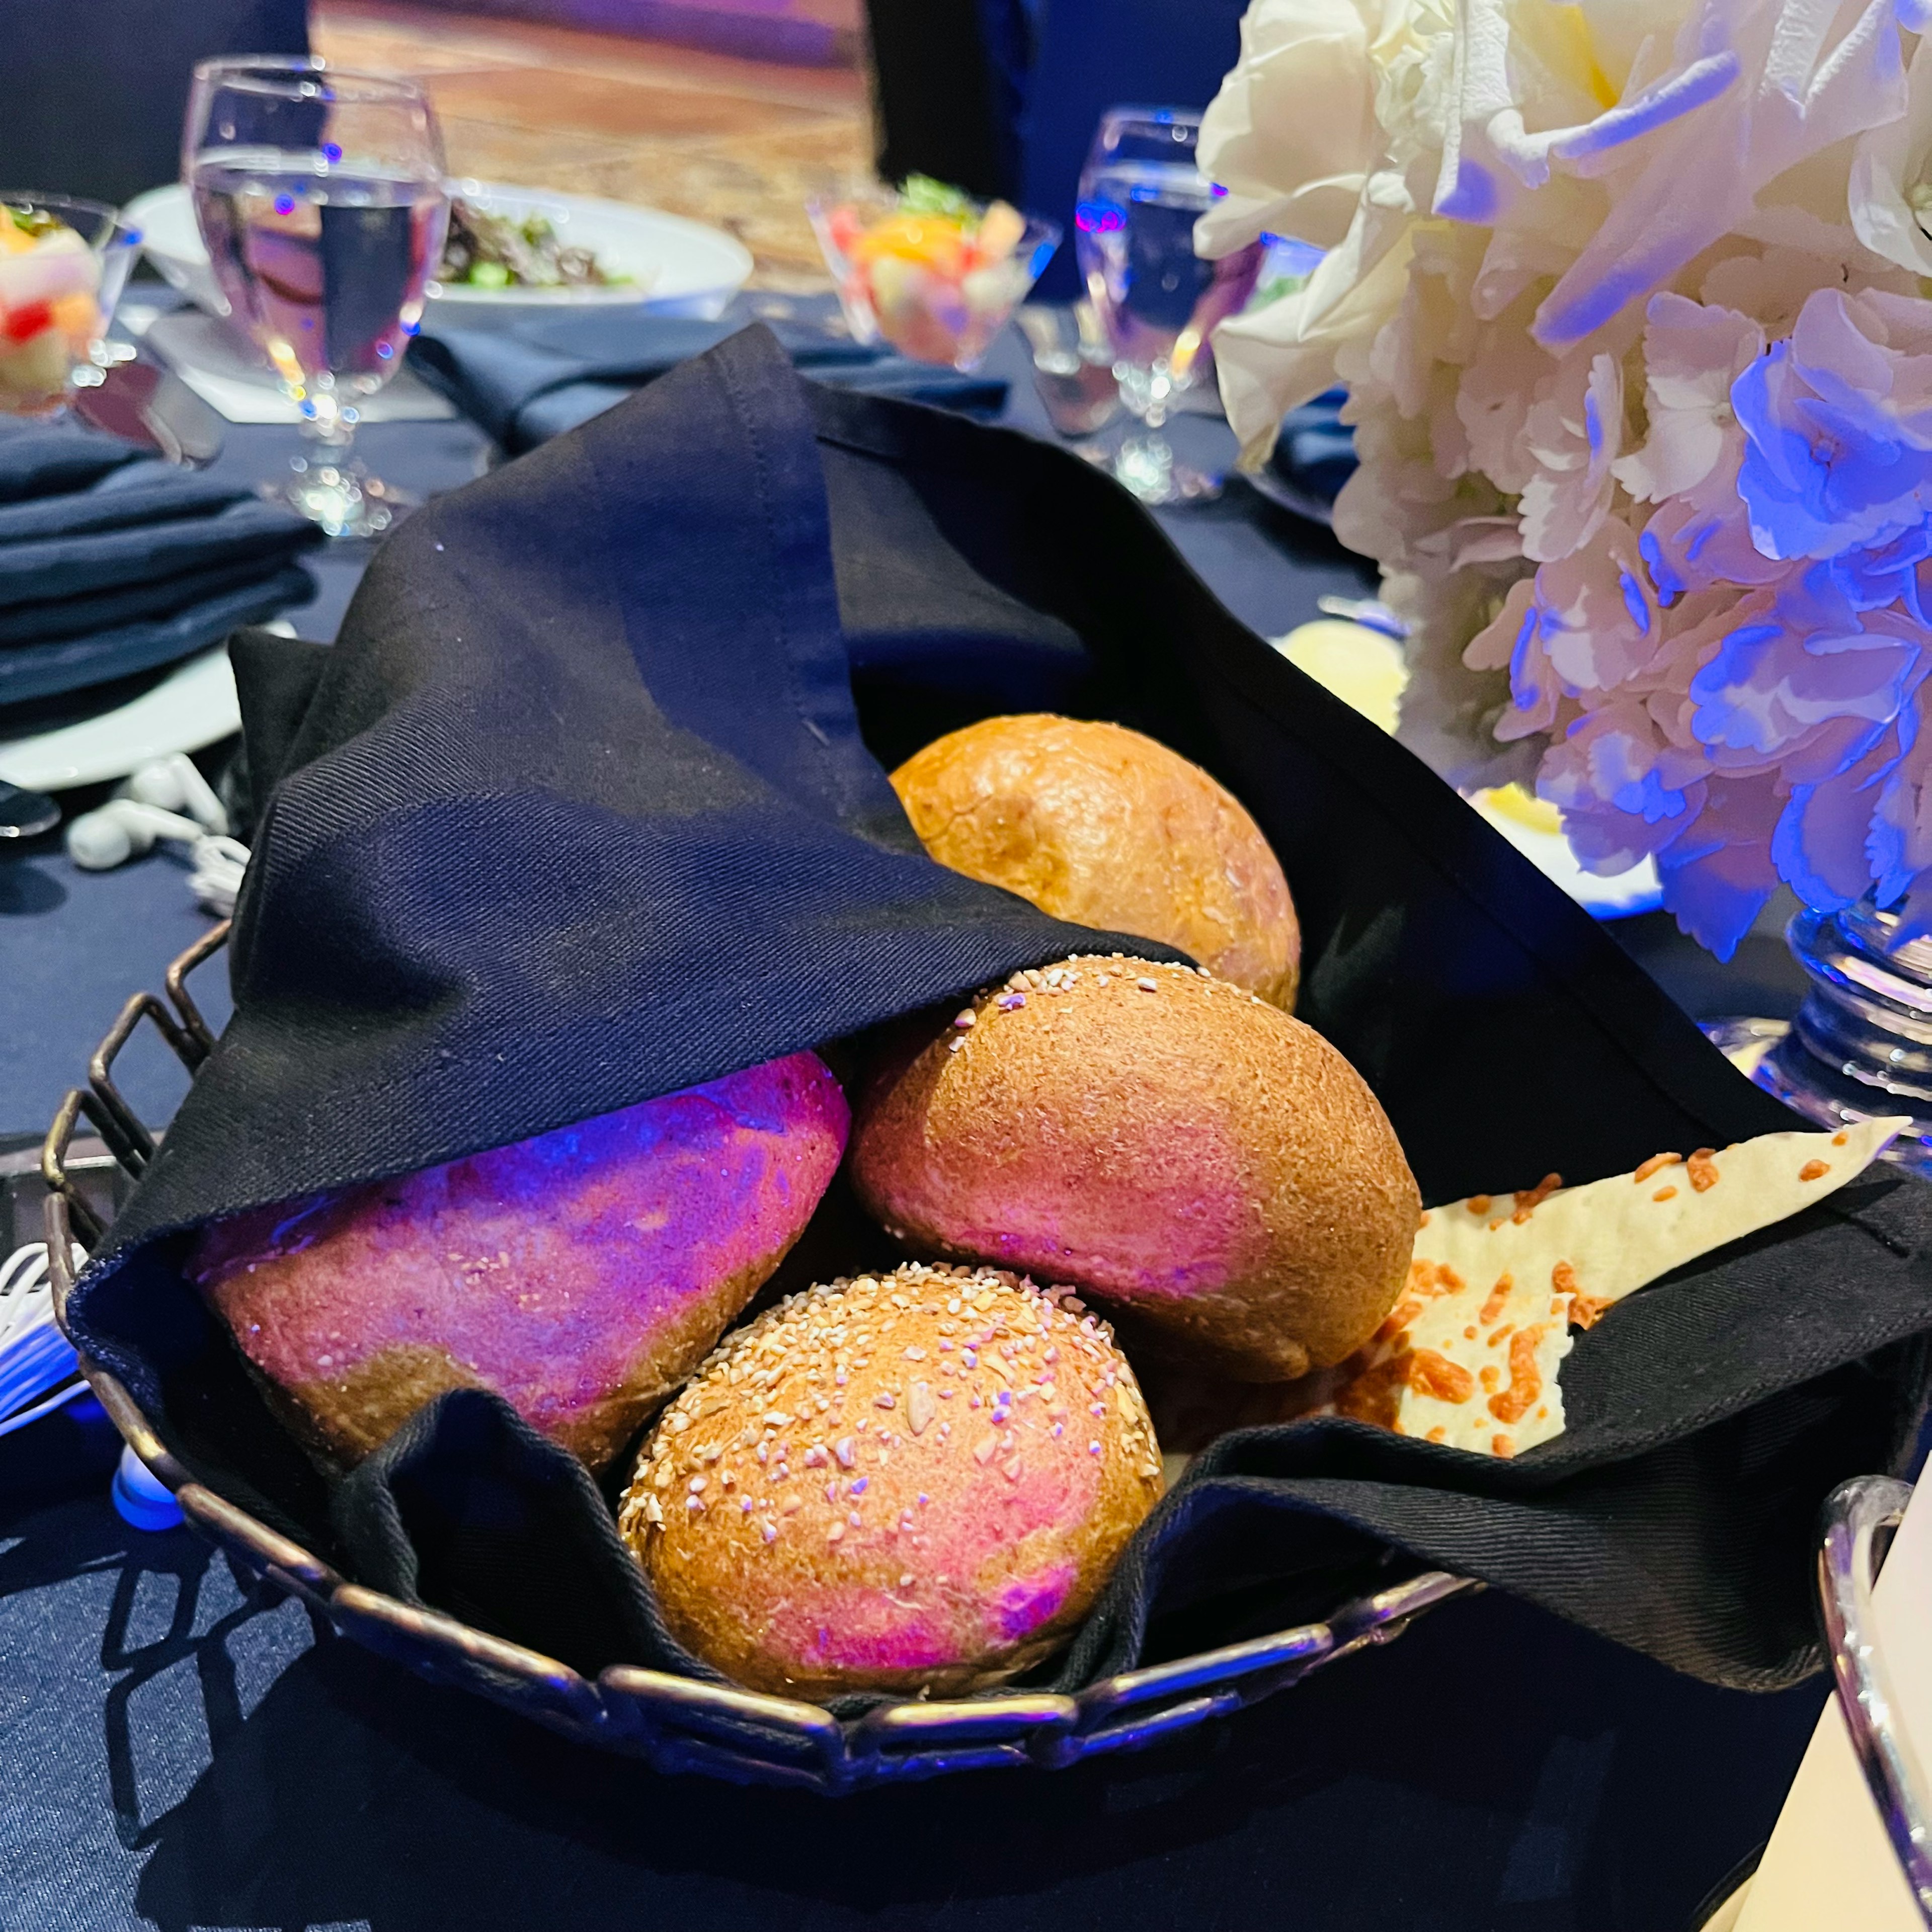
x=1629 y=300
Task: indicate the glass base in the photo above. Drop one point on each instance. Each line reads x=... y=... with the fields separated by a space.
x=342 y=496
x=1860 y=1048
x=1147 y=466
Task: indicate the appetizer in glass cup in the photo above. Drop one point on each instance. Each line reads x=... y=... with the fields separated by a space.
x=63 y=263
x=930 y=271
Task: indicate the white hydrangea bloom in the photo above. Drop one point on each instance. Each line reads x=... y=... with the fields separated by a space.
x=1626 y=297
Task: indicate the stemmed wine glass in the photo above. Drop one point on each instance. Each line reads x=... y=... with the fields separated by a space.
x=1140 y=195
x=321 y=198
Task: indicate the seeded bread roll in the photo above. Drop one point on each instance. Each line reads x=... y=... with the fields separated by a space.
x=916 y=1482
x=582 y=1274
x=1173 y=1145
x=1100 y=825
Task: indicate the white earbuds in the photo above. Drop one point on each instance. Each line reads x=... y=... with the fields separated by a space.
x=167 y=798
x=175 y=784
x=120 y=830
x=216 y=880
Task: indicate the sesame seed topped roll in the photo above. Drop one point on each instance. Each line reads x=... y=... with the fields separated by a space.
x=911 y=1482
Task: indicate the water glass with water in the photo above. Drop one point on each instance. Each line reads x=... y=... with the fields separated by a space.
x=1140 y=195
x=320 y=196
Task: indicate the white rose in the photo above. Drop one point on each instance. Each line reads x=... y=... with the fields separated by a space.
x=1292 y=134
x=1890 y=200
x=1272 y=358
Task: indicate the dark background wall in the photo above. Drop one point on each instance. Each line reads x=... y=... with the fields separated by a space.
x=92 y=92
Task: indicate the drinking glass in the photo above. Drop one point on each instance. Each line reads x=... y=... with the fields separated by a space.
x=320 y=197
x=1140 y=195
x=63 y=261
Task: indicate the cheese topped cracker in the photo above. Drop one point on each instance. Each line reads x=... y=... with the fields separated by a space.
x=1468 y=1356
x=1602 y=1242
x=1469 y=1363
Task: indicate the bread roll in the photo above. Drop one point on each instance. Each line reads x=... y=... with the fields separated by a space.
x=582 y=1274
x=916 y=1482
x=1173 y=1145
x=1098 y=825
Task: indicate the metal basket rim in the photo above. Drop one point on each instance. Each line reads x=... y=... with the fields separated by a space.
x=678 y=1724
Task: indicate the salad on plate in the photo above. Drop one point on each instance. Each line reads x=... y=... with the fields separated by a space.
x=484 y=250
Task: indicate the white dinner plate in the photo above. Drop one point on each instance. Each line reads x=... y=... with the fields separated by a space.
x=674 y=266
x=192 y=706
x=1364 y=667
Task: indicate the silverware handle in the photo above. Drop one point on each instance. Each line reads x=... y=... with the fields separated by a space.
x=1855 y=1513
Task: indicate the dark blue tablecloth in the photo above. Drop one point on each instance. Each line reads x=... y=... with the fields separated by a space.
x=175 y=1756
x=180 y=1757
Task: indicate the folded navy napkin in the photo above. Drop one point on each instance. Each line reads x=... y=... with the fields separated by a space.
x=112 y=562
x=532 y=382
x=1314 y=453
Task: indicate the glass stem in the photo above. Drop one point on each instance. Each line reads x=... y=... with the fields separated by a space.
x=1160 y=387
x=1146 y=389
x=326 y=484
x=325 y=423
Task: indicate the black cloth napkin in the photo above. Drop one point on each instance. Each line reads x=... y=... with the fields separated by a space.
x=587 y=805
x=113 y=563
x=535 y=379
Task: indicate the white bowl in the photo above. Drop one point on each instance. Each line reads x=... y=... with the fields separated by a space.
x=675 y=267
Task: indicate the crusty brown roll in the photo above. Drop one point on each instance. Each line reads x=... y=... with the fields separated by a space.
x=1100 y=825
x=911 y=1482
x=1171 y=1144
x=582 y=1274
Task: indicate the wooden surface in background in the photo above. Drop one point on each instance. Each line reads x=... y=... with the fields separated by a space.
x=738 y=142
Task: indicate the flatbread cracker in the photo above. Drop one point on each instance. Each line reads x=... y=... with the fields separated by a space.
x=1468 y=1356
x=1603 y=1241
x=1470 y=1363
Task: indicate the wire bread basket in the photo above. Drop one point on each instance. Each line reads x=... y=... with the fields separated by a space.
x=677 y=1724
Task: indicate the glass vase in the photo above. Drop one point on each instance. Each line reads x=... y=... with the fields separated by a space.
x=1861 y=1046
